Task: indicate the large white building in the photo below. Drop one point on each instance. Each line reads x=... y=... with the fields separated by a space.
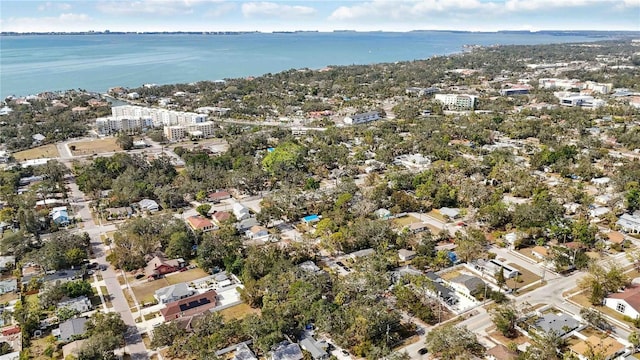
x=362 y=118
x=179 y=132
x=135 y=118
x=457 y=101
x=583 y=101
x=566 y=84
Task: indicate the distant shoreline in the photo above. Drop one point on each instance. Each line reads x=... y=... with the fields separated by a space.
x=107 y=33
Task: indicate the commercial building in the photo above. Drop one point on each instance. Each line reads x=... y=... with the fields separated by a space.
x=179 y=132
x=583 y=101
x=457 y=101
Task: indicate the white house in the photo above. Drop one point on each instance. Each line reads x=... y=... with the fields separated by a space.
x=173 y=293
x=240 y=211
x=626 y=302
x=8 y=285
x=406 y=255
x=80 y=304
x=362 y=118
x=257 y=232
x=149 y=205
x=630 y=222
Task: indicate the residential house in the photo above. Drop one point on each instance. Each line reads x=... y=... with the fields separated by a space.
x=444 y=293
x=243 y=353
x=257 y=232
x=361 y=253
x=240 y=211
x=246 y=224
x=417 y=227
x=501 y=352
x=451 y=213
x=615 y=238
x=630 y=222
x=310 y=267
x=148 y=205
x=218 y=196
x=406 y=255
x=173 y=293
x=491 y=267
x=60 y=216
x=286 y=351
x=608 y=347
x=8 y=285
x=562 y=324
x=159 y=266
x=317 y=349
x=70 y=329
x=382 y=214
x=626 y=302
x=540 y=252
x=467 y=285
x=199 y=223
x=63 y=276
x=189 y=306
x=220 y=216
x=80 y=304
x=7 y=263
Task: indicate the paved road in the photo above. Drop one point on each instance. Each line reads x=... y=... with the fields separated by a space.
x=134 y=344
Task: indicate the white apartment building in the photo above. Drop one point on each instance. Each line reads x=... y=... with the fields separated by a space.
x=457 y=101
x=566 y=84
x=159 y=117
x=110 y=125
x=179 y=132
x=362 y=118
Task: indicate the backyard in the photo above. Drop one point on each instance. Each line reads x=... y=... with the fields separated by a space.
x=238 y=312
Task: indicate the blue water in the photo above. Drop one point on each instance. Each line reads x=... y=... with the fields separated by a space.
x=32 y=64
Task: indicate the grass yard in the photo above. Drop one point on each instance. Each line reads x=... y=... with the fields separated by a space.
x=238 y=312
x=40 y=152
x=526 y=278
x=527 y=252
x=436 y=215
x=405 y=221
x=43 y=348
x=107 y=296
x=450 y=274
x=94 y=146
x=186 y=276
x=497 y=335
x=582 y=300
x=144 y=291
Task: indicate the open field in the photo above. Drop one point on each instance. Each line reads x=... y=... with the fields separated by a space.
x=145 y=290
x=186 y=276
x=44 y=151
x=526 y=278
x=94 y=146
x=238 y=312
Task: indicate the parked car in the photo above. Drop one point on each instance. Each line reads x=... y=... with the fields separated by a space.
x=423 y=351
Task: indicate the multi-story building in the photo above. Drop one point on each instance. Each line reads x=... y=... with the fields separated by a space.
x=362 y=118
x=179 y=132
x=134 y=118
x=174 y=133
x=457 y=101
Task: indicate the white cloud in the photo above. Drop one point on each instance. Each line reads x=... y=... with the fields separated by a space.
x=419 y=9
x=155 y=7
x=62 y=22
x=58 y=5
x=220 y=10
x=271 y=9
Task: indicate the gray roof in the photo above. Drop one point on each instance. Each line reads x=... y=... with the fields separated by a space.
x=362 y=253
x=557 y=323
x=6 y=260
x=246 y=224
x=472 y=283
x=64 y=275
x=287 y=351
x=244 y=353
x=173 y=291
x=72 y=327
x=312 y=346
x=450 y=212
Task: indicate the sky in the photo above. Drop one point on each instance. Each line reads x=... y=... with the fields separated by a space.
x=321 y=15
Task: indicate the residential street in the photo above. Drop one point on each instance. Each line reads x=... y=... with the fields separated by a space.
x=134 y=344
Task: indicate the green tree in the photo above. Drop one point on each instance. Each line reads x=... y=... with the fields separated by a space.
x=166 y=334
x=180 y=246
x=125 y=141
x=450 y=342
x=499 y=276
x=632 y=199
x=203 y=209
x=504 y=317
x=5 y=348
